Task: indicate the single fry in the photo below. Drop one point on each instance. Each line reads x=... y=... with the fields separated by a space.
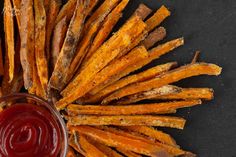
x=66 y=11
x=153 y=54
x=139 y=109
x=40 y=39
x=142 y=11
x=142 y=76
x=117 y=66
x=164 y=90
x=27 y=41
x=1 y=60
x=17 y=6
x=90 y=149
x=91 y=6
x=188 y=94
x=9 y=36
x=161 y=121
x=104 y=55
x=70 y=152
x=160 y=15
x=166 y=78
x=122 y=142
x=68 y=49
x=74 y=142
x=58 y=38
x=153 y=133
x=51 y=15
x=106 y=28
x=157 y=35
x=128 y=153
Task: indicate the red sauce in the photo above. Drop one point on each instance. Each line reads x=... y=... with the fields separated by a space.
x=28 y=130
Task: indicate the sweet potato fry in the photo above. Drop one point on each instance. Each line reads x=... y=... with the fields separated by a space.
x=164 y=90
x=138 y=109
x=118 y=141
x=128 y=153
x=153 y=133
x=142 y=11
x=157 y=35
x=40 y=39
x=1 y=59
x=106 y=28
x=90 y=149
x=69 y=46
x=153 y=54
x=188 y=94
x=17 y=6
x=167 y=78
x=117 y=66
x=162 y=121
x=27 y=39
x=160 y=15
x=51 y=14
x=118 y=43
x=145 y=75
x=9 y=36
x=66 y=11
x=91 y=6
x=70 y=152
x=104 y=8
x=74 y=142
x=57 y=40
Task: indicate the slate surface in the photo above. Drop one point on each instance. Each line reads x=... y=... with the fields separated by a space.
x=208 y=26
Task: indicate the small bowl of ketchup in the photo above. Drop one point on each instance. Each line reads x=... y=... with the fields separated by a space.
x=31 y=127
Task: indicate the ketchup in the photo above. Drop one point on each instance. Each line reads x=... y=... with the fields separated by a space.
x=28 y=130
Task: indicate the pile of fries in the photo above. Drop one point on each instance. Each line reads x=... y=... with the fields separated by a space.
x=68 y=54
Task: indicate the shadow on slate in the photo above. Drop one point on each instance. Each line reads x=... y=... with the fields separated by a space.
x=208 y=26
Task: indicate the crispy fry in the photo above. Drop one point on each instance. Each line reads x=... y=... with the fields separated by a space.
x=90 y=149
x=160 y=15
x=69 y=47
x=9 y=36
x=145 y=75
x=118 y=141
x=27 y=39
x=153 y=133
x=70 y=153
x=153 y=54
x=142 y=11
x=132 y=109
x=57 y=40
x=162 y=121
x=128 y=153
x=109 y=71
x=195 y=57
x=17 y=6
x=91 y=6
x=105 y=149
x=40 y=38
x=118 y=43
x=164 y=90
x=155 y=36
x=1 y=59
x=167 y=78
x=106 y=28
x=54 y=8
x=66 y=11
x=74 y=143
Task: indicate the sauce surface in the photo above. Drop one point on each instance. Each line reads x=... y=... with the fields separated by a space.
x=28 y=130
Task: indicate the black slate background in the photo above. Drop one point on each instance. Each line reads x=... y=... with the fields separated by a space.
x=208 y=26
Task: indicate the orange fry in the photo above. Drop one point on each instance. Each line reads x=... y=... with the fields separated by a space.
x=106 y=28
x=160 y=15
x=40 y=38
x=155 y=36
x=118 y=141
x=142 y=11
x=188 y=94
x=74 y=142
x=58 y=38
x=132 y=109
x=68 y=49
x=128 y=153
x=166 y=78
x=142 y=76
x=118 y=43
x=1 y=60
x=70 y=152
x=161 y=121
x=17 y=6
x=9 y=36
